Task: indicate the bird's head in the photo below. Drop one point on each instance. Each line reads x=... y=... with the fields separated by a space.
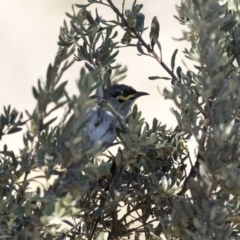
x=122 y=97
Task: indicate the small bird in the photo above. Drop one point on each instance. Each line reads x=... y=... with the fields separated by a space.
x=100 y=124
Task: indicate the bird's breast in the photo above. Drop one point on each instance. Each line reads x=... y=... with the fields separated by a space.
x=101 y=126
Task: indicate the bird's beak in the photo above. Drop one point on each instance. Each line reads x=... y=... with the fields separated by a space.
x=139 y=94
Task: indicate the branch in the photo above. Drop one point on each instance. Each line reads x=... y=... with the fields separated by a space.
x=115 y=228
x=195 y=168
x=139 y=37
x=115 y=172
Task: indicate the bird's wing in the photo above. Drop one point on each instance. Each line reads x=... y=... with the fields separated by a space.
x=97 y=126
x=100 y=126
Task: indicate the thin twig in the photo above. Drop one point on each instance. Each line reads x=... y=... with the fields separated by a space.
x=116 y=173
x=195 y=168
x=123 y=4
x=115 y=228
x=139 y=37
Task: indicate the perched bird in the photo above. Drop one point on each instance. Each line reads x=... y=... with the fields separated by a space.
x=99 y=123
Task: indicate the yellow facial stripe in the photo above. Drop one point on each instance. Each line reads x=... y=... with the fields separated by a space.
x=124 y=98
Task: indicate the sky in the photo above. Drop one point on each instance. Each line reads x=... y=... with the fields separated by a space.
x=29 y=33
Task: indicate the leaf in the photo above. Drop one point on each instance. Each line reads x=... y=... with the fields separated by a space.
x=3 y=120
x=146 y=212
x=164 y=183
x=152 y=139
x=157 y=77
x=57 y=106
x=179 y=72
x=13 y=116
x=139 y=48
x=154 y=77
x=7 y=111
x=49 y=122
x=14 y=130
x=35 y=93
x=96 y=40
x=57 y=93
x=97 y=213
x=15 y=162
x=92 y=34
x=43 y=137
x=228 y=26
x=41 y=86
x=5 y=148
x=118 y=158
x=204 y=173
x=84 y=53
x=103 y=169
x=114 y=35
x=160 y=49
x=155 y=28
x=126 y=39
x=69 y=223
x=90 y=18
x=82 y=5
x=69 y=16
x=8 y=236
x=125 y=104
x=106 y=107
x=110 y=59
x=89 y=67
x=140 y=21
x=159 y=46
x=77 y=30
x=134 y=4
x=100 y=236
x=49 y=76
x=64 y=43
x=66 y=66
x=173 y=59
x=228 y=231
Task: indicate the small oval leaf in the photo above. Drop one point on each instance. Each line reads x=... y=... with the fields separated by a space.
x=173 y=59
x=14 y=130
x=155 y=29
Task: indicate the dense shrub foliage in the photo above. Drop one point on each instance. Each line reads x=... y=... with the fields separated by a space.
x=143 y=189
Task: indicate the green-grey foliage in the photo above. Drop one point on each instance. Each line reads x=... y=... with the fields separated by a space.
x=147 y=177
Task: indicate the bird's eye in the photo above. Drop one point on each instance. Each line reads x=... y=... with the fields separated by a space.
x=119 y=93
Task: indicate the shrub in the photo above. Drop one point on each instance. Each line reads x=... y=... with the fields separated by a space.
x=147 y=177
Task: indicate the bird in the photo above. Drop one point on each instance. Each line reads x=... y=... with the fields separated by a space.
x=100 y=123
